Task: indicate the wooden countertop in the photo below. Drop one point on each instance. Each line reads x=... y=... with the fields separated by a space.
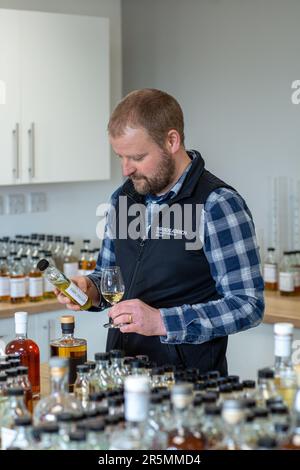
x=282 y=309
x=278 y=308
x=7 y=309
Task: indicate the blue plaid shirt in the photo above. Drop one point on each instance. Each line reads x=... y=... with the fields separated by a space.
x=230 y=246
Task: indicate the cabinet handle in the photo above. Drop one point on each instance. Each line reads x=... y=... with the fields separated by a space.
x=16 y=167
x=31 y=135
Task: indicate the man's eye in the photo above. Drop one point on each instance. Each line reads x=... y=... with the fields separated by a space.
x=138 y=158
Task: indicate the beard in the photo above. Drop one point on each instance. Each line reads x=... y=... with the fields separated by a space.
x=161 y=179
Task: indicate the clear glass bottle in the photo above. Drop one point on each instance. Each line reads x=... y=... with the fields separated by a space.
x=285 y=376
x=117 y=372
x=14 y=408
x=182 y=434
x=70 y=262
x=59 y=280
x=17 y=282
x=266 y=387
x=96 y=438
x=292 y=441
x=59 y=399
x=4 y=280
x=23 y=439
x=36 y=286
x=233 y=416
x=136 y=434
x=286 y=276
x=101 y=378
x=75 y=349
x=82 y=385
x=271 y=270
x=27 y=350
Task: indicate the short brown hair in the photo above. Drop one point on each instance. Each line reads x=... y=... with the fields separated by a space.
x=154 y=110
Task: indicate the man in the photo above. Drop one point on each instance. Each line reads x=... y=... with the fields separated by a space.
x=181 y=299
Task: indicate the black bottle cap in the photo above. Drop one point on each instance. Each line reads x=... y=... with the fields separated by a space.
x=101 y=356
x=267 y=442
x=65 y=417
x=97 y=425
x=23 y=421
x=3 y=377
x=15 y=392
x=96 y=396
x=42 y=264
x=249 y=383
x=116 y=353
x=198 y=400
x=266 y=374
x=212 y=410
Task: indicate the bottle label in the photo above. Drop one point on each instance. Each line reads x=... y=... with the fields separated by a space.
x=4 y=286
x=35 y=286
x=286 y=282
x=136 y=406
x=17 y=287
x=7 y=436
x=70 y=269
x=270 y=273
x=77 y=294
x=48 y=287
x=283 y=346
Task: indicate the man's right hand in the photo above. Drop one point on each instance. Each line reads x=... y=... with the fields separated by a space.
x=86 y=285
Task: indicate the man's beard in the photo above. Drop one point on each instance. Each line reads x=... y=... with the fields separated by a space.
x=155 y=184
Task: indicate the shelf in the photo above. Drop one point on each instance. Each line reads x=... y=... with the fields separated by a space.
x=7 y=309
x=282 y=309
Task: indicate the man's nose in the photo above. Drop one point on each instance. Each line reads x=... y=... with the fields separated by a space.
x=128 y=169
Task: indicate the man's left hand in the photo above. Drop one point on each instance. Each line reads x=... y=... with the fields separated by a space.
x=141 y=318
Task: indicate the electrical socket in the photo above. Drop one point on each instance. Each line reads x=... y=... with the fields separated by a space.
x=38 y=202
x=16 y=203
x=1 y=205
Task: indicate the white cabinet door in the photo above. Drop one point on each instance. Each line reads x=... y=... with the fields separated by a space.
x=10 y=76
x=65 y=97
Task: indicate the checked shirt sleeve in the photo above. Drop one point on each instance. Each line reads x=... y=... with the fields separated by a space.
x=231 y=249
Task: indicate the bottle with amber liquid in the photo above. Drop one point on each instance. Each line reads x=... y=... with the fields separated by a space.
x=36 y=287
x=75 y=349
x=4 y=280
x=184 y=433
x=271 y=271
x=17 y=282
x=65 y=285
x=293 y=440
x=286 y=276
x=27 y=350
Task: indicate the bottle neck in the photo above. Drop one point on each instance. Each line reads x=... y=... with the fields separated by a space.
x=21 y=335
x=59 y=384
x=68 y=336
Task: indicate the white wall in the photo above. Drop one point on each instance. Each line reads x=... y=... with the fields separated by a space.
x=71 y=206
x=230 y=63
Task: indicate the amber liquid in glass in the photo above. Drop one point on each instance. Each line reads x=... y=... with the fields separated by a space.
x=18 y=300
x=29 y=354
x=77 y=354
x=4 y=298
x=271 y=286
x=185 y=440
x=39 y=297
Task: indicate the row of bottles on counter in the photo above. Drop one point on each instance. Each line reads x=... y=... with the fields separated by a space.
x=131 y=403
x=21 y=280
x=283 y=276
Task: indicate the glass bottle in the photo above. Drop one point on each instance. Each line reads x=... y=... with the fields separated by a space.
x=36 y=287
x=82 y=264
x=101 y=378
x=91 y=264
x=182 y=435
x=27 y=349
x=75 y=349
x=59 y=280
x=285 y=377
x=23 y=438
x=59 y=399
x=266 y=387
x=286 y=276
x=82 y=385
x=17 y=282
x=4 y=280
x=48 y=286
x=70 y=262
x=117 y=372
x=292 y=442
x=14 y=408
x=136 y=434
x=271 y=271
x=233 y=416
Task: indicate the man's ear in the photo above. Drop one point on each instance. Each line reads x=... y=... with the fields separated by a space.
x=173 y=141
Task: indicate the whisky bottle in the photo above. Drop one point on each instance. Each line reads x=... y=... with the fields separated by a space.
x=285 y=376
x=59 y=400
x=271 y=271
x=67 y=287
x=75 y=349
x=286 y=276
x=28 y=351
x=82 y=264
x=82 y=385
x=70 y=262
x=4 y=280
x=183 y=434
x=36 y=287
x=17 y=282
